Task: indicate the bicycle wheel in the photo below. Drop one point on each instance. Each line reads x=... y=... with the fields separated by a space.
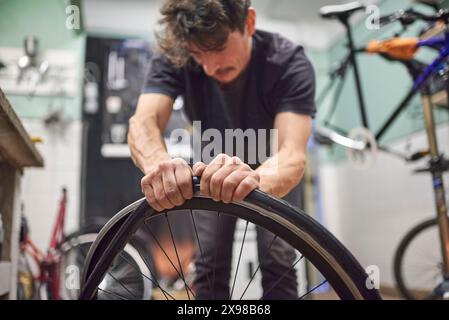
x=73 y=255
x=418 y=262
x=332 y=260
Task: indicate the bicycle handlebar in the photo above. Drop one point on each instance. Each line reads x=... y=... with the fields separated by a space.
x=400 y=16
x=410 y=16
x=443 y=14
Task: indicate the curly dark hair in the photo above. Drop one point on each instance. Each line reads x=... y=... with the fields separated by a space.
x=204 y=23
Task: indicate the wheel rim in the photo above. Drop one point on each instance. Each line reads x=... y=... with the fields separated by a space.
x=419 y=262
x=353 y=288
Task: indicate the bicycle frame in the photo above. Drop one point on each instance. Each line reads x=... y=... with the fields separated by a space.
x=49 y=263
x=421 y=80
x=418 y=85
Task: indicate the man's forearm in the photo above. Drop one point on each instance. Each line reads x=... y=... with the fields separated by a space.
x=146 y=143
x=282 y=172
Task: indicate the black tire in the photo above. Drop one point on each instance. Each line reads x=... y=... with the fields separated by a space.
x=402 y=267
x=321 y=248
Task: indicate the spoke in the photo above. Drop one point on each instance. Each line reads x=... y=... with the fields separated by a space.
x=123 y=286
x=240 y=257
x=282 y=277
x=155 y=282
x=258 y=266
x=199 y=246
x=177 y=257
x=113 y=294
x=165 y=253
x=313 y=289
x=216 y=253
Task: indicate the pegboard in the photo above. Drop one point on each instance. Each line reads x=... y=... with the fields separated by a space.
x=60 y=80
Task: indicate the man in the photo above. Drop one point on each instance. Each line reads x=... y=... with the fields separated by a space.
x=231 y=76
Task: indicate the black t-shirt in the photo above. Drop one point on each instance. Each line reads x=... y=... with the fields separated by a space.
x=279 y=78
x=233 y=95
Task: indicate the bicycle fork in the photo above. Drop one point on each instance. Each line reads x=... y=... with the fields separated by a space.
x=438 y=184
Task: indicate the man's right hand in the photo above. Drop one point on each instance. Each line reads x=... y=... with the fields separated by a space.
x=168 y=184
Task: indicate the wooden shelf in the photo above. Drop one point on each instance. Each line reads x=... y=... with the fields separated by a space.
x=17 y=151
x=16 y=147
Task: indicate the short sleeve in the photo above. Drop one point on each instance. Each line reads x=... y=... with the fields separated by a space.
x=162 y=77
x=295 y=89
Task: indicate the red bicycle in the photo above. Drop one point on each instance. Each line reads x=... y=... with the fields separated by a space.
x=52 y=275
x=55 y=275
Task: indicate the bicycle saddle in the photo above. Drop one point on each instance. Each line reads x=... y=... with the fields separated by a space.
x=342 y=11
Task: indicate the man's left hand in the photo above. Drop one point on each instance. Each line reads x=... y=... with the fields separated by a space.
x=226 y=179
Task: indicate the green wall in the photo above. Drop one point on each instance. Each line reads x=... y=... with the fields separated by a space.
x=384 y=84
x=46 y=20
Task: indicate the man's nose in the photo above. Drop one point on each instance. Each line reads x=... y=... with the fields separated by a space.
x=211 y=66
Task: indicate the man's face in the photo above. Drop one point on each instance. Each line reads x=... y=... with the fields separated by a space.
x=227 y=64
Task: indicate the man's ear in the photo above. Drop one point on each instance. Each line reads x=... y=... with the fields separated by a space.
x=251 y=21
